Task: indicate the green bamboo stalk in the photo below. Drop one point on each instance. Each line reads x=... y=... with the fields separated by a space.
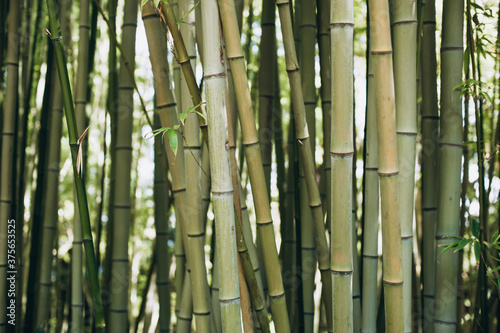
x=39 y=200
x=254 y=160
x=405 y=80
x=430 y=129
x=8 y=148
x=192 y=152
x=323 y=36
x=50 y=218
x=214 y=289
x=370 y=212
x=79 y=182
x=118 y=317
x=267 y=79
x=450 y=163
x=305 y=149
x=342 y=155
x=222 y=189
x=162 y=205
x=81 y=87
x=387 y=164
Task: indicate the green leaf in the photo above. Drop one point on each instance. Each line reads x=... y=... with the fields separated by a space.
x=156 y=2
x=155 y=133
x=449 y=246
x=461 y=244
x=192 y=8
x=143 y=2
x=496 y=269
x=495 y=237
x=477 y=251
x=172 y=139
x=475 y=228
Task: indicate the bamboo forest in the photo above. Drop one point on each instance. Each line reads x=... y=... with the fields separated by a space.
x=249 y=166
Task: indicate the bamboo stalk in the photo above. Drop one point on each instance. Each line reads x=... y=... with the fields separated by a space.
x=254 y=160
x=370 y=212
x=79 y=182
x=387 y=164
x=430 y=131
x=450 y=163
x=342 y=155
x=222 y=189
x=302 y=135
x=405 y=80
x=8 y=147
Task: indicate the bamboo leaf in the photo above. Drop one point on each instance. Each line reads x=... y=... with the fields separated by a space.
x=449 y=246
x=172 y=139
x=154 y=133
x=461 y=244
x=495 y=236
x=143 y=2
x=475 y=228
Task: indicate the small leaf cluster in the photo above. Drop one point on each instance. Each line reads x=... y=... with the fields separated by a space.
x=493 y=244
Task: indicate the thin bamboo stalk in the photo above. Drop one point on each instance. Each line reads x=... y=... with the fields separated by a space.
x=430 y=132
x=162 y=205
x=381 y=51
x=302 y=136
x=79 y=181
x=254 y=160
x=222 y=189
x=80 y=104
x=8 y=148
x=450 y=163
x=405 y=80
x=370 y=212
x=342 y=155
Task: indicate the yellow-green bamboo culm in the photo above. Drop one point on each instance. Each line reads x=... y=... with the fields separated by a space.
x=74 y=142
x=256 y=172
x=220 y=169
x=405 y=80
x=342 y=156
x=450 y=164
x=381 y=51
x=306 y=155
x=430 y=129
x=192 y=155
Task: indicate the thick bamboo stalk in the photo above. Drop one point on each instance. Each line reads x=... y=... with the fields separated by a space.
x=430 y=131
x=405 y=80
x=50 y=219
x=192 y=153
x=342 y=155
x=118 y=317
x=222 y=189
x=450 y=164
x=387 y=164
x=306 y=155
x=8 y=148
x=371 y=212
x=256 y=172
x=75 y=144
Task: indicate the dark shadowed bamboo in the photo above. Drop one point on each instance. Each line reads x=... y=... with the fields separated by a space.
x=430 y=131
x=305 y=150
x=342 y=156
x=381 y=51
x=254 y=160
x=450 y=163
x=8 y=148
x=405 y=80
x=370 y=212
x=75 y=144
x=118 y=318
x=50 y=218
